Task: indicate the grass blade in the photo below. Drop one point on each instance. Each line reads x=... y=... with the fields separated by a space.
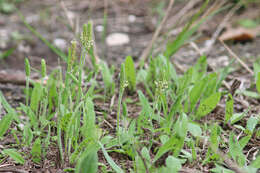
x=45 y=41
x=5 y=123
x=130 y=73
x=14 y=155
x=8 y=107
x=111 y=162
x=88 y=162
x=7 y=53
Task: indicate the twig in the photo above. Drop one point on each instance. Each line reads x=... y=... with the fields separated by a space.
x=181 y=13
x=1 y=166
x=64 y=8
x=237 y=58
x=147 y=50
x=16 y=78
x=189 y=170
x=220 y=28
x=14 y=170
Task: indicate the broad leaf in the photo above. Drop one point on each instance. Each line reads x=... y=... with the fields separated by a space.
x=208 y=105
x=88 y=162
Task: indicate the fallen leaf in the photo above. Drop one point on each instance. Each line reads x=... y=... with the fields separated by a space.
x=240 y=34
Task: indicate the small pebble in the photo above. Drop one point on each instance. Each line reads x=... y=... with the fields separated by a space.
x=99 y=28
x=60 y=43
x=117 y=39
x=23 y=48
x=32 y=18
x=3 y=38
x=131 y=18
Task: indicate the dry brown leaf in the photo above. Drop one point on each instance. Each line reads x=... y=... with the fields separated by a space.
x=240 y=34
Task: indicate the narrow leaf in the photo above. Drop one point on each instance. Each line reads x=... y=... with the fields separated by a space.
x=14 y=155
x=258 y=82
x=36 y=97
x=113 y=165
x=36 y=151
x=5 y=123
x=130 y=73
x=229 y=108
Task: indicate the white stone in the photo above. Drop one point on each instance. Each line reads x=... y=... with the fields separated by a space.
x=60 y=43
x=3 y=38
x=99 y=28
x=117 y=39
x=21 y=126
x=32 y=18
x=23 y=48
x=131 y=18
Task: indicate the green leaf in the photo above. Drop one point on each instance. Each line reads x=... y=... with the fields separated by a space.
x=27 y=134
x=173 y=164
x=14 y=155
x=248 y=23
x=181 y=126
x=243 y=141
x=258 y=82
x=56 y=50
x=256 y=163
x=7 y=7
x=110 y=161
x=146 y=108
x=229 y=108
x=196 y=92
x=36 y=151
x=6 y=53
x=208 y=105
x=5 y=123
x=107 y=76
x=220 y=169
x=146 y=154
x=194 y=129
x=130 y=73
x=223 y=74
x=252 y=94
x=251 y=123
x=176 y=142
x=211 y=86
x=187 y=31
x=122 y=78
x=169 y=145
x=237 y=117
x=256 y=70
x=8 y=108
x=235 y=150
x=89 y=120
x=200 y=68
x=36 y=97
x=214 y=140
x=88 y=161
